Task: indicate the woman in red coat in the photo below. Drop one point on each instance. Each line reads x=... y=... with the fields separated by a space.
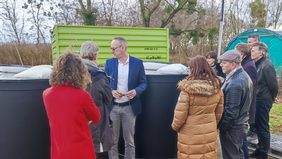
x=69 y=108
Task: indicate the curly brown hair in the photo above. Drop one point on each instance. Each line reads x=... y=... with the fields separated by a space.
x=69 y=70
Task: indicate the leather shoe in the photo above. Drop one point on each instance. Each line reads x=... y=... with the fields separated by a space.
x=262 y=156
x=255 y=154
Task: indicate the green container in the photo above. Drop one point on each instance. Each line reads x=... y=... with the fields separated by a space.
x=150 y=44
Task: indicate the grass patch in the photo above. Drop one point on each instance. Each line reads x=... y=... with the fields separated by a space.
x=275 y=120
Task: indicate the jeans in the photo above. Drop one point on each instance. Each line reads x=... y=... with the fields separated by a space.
x=123 y=115
x=245 y=148
x=231 y=143
x=262 y=126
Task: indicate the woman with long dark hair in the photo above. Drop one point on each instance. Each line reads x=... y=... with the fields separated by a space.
x=198 y=110
x=69 y=108
x=213 y=62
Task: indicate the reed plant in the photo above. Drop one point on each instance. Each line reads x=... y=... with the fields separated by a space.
x=25 y=54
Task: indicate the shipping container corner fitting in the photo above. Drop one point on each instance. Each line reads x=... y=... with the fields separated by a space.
x=148 y=44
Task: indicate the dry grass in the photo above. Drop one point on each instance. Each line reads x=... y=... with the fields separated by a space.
x=30 y=54
x=175 y=58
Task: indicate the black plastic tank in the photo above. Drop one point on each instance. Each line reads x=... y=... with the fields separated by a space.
x=24 y=127
x=25 y=132
x=154 y=136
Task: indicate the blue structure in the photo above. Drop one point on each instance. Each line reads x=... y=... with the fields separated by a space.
x=271 y=37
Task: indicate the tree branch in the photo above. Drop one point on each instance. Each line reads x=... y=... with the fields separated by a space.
x=191 y=23
x=81 y=5
x=154 y=9
x=170 y=4
x=88 y=4
x=173 y=13
x=180 y=32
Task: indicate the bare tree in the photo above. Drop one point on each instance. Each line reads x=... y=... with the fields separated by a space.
x=119 y=13
x=65 y=12
x=275 y=13
x=11 y=19
x=36 y=11
x=107 y=12
x=237 y=16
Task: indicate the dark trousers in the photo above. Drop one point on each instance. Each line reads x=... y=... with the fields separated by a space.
x=261 y=125
x=102 y=155
x=231 y=143
x=245 y=148
x=252 y=127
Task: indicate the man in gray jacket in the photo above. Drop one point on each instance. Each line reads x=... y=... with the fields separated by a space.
x=100 y=91
x=267 y=91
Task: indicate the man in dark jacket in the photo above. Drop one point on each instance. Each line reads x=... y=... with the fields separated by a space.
x=251 y=136
x=250 y=68
x=100 y=91
x=237 y=90
x=267 y=91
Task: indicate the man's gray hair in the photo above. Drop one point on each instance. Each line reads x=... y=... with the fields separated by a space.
x=255 y=36
x=261 y=47
x=121 y=41
x=88 y=50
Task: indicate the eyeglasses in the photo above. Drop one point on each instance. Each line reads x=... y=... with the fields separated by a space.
x=114 y=48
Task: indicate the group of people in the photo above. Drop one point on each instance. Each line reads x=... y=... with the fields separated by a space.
x=111 y=100
x=225 y=97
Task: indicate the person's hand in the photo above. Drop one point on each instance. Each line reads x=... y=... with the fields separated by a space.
x=89 y=122
x=117 y=94
x=131 y=94
x=276 y=101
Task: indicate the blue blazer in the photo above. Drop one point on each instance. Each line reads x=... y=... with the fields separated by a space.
x=136 y=80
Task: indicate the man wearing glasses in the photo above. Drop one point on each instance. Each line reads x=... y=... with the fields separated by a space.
x=128 y=83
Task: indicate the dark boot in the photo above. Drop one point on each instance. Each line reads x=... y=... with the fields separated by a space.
x=255 y=154
x=262 y=156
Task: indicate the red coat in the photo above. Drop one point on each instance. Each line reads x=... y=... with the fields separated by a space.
x=68 y=109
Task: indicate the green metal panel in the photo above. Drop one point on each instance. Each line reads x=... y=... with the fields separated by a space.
x=150 y=44
x=272 y=38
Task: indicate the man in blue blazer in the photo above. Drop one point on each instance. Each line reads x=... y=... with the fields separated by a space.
x=128 y=83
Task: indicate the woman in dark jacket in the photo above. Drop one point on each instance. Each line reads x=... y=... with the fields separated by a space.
x=250 y=68
x=212 y=60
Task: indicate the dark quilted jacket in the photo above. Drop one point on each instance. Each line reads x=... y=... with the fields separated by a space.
x=238 y=93
x=100 y=91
